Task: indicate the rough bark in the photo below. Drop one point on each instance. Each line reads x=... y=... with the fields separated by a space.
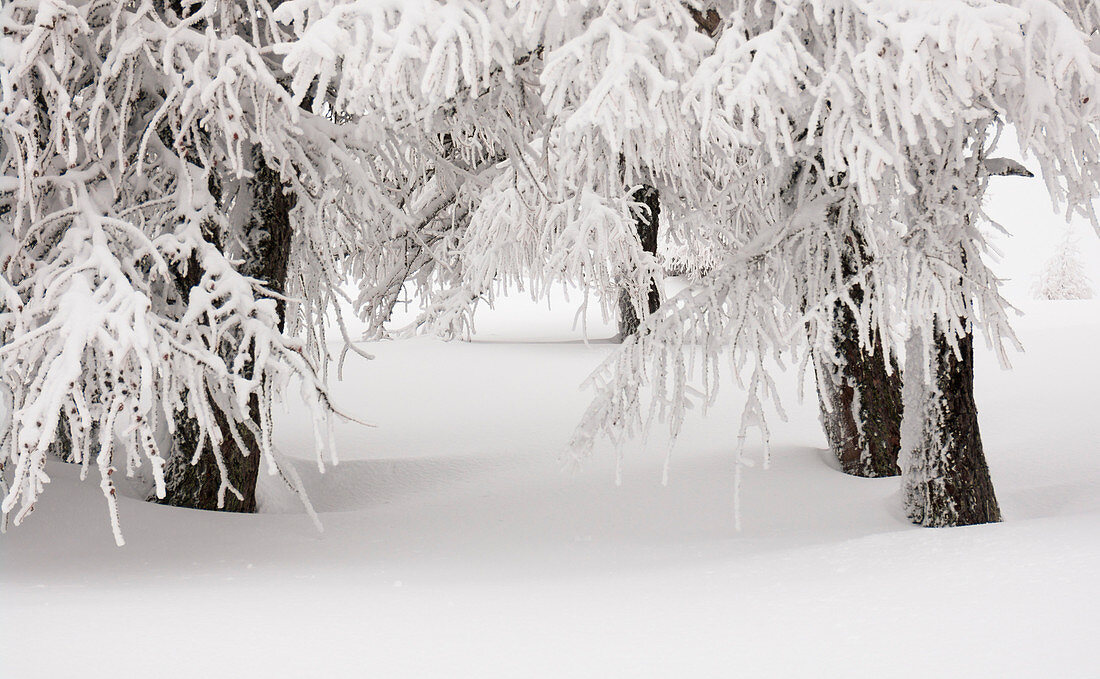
x=269 y=234
x=197 y=485
x=945 y=477
x=267 y=238
x=646 y=221
x=859 y=393
x=860 y=400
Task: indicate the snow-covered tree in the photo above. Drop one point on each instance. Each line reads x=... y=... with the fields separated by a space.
x=887 y=110
x=1045 y=84
x=1063 y=275
x=229 y=150
x=142 y=150
x=794 y=148
x=184 y=187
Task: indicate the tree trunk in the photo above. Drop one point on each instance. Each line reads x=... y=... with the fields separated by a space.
x=197 y=486
x=62 y=445
x=945 y=478
x=268 y=234
x=858 y=392
x=860 y=401
x=267 y=238
x=647 y=222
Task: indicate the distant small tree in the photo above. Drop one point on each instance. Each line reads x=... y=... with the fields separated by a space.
x=1063 y=276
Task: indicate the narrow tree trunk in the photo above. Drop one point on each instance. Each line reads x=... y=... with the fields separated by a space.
x=859 y=393
x=62 y=445
x=269 y=234
x=945 y=478
x=267 y=239
x=646 y=222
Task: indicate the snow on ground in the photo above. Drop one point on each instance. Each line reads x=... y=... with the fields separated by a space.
x=456 y=546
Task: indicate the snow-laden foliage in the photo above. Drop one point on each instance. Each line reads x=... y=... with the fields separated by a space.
x=521 y=128
x=395 y=59
x=813 y=139
x=856 y=131
x=1063 y=275
x=803 y=149
x=1086 y=14
x=133 y=131
x=127 y=136
x=432 y=89
x=565 y=211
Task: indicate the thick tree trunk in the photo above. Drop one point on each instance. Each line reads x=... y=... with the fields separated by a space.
x=198 y=485
x=860 y=400
x=267 y=239
x=945 y=478
x=859 y=393
x=647 y=222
